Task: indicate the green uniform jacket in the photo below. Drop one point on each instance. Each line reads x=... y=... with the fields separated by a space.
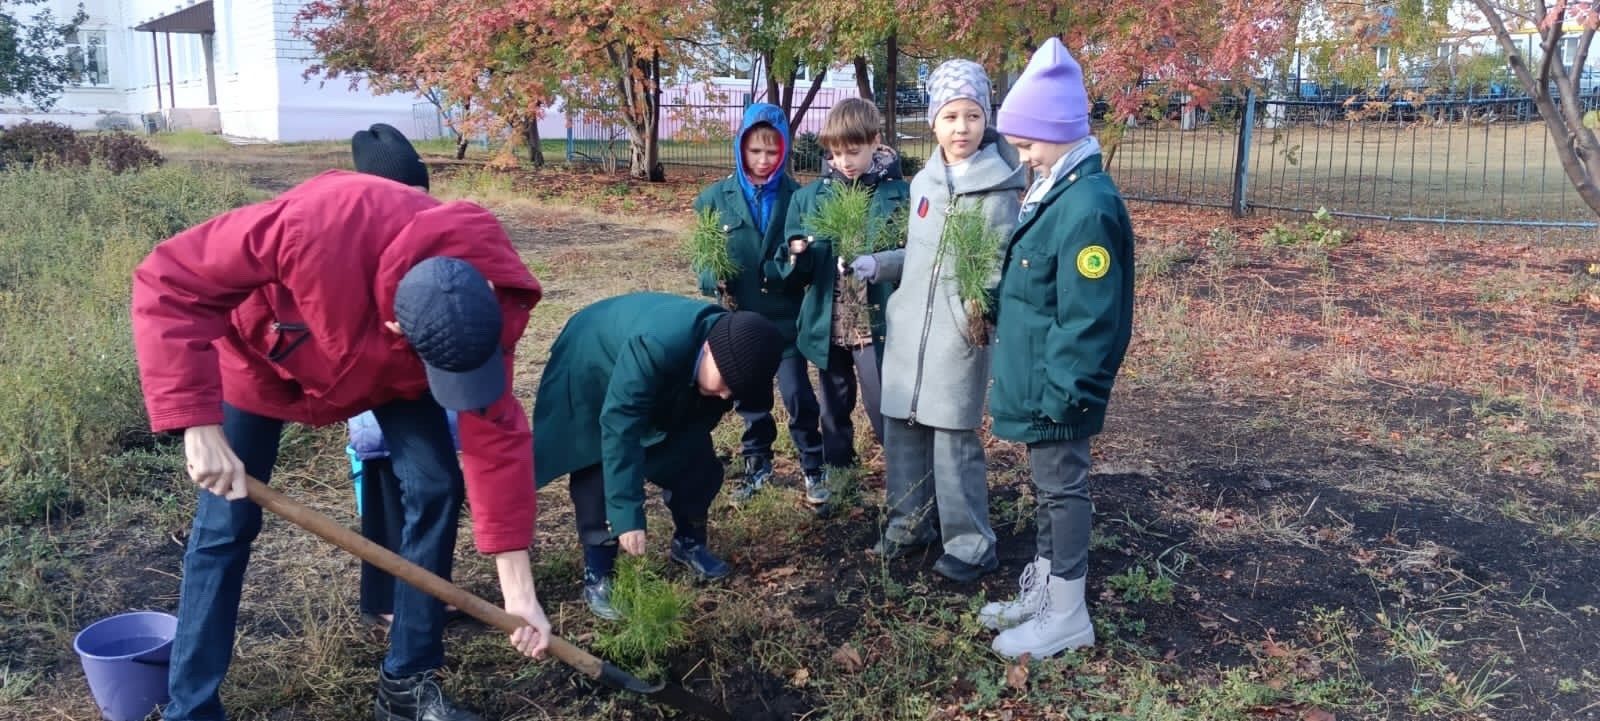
x=759 y=286
x=1066 y=311
x=621 y=376
x=817 y=270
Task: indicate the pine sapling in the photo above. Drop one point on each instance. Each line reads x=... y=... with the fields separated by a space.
x=842 y=217
x=972 y=249
x=707 y=248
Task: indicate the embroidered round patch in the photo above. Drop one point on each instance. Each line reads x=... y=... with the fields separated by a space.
x=1094 y=262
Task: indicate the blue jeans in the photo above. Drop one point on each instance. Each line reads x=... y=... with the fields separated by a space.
x=431 y=490
x=794 y=386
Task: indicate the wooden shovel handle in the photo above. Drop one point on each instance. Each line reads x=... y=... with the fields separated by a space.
x=331 y=531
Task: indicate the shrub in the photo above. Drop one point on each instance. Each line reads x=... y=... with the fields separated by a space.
x=54 y=145
x=910 y=166
x=806 y=157
x=120 y=152
x=30 y=144
x=69 y=239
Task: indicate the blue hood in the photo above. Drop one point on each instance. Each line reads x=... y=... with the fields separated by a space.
x=760 y=199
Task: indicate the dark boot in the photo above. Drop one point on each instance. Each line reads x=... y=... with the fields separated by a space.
x=416 y=698
x=757 y=471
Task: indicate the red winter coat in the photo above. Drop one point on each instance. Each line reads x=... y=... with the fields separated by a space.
x=211 y=304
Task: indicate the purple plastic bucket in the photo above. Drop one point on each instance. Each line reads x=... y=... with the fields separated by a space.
x=125 y=659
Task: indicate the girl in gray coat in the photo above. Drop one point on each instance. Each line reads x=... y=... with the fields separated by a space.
x=935 y=372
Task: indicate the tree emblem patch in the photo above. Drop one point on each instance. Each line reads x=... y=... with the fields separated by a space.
x=1094 y=262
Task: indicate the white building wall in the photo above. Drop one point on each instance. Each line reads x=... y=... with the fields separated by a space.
x=317 y=109
x=258 y=72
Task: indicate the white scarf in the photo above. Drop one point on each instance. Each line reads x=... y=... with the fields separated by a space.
x=1069 y=160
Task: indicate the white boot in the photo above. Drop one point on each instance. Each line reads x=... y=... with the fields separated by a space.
x=1001 y=615
x=1062 y=624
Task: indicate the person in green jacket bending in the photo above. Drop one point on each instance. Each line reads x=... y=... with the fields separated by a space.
x=831 y=333
x=633 y=388
x=753 y=203
x=1065 y=316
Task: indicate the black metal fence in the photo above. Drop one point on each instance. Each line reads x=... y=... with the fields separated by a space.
x=1411 y=155
x=1479 y=160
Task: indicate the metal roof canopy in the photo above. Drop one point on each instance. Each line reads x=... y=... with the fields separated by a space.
x=197 y=18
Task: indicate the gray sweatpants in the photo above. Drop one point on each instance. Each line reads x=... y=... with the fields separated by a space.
x=933 y=470
x=1061 y=475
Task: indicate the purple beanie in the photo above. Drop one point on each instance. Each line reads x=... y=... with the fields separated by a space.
x=1048 y=102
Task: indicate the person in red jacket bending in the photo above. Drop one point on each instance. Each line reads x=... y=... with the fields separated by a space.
x=347 y=293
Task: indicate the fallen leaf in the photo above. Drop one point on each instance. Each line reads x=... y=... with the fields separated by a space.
x=800 y=678
x=849 y=658
x=782 y=572
x=1017 y=674
x=1317 y=714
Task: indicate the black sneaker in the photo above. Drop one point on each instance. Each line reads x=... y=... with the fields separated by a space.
x=960 y=571
x=698 y=558
x=416 y=698
x=757 y=471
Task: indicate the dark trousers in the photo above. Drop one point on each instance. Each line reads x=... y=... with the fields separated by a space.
x=684 y=467
x=760 y=430
x=431 y=490
x=846 y=368
x=383 y=518
x=1061 y=475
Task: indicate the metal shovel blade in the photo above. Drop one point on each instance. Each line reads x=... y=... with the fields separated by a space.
x=580 y=660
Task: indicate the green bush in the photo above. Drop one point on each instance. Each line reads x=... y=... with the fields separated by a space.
x=69 y=240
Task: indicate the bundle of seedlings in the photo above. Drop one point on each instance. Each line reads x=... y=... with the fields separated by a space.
x=707 y=248
x=972 y=249
x=844 y=218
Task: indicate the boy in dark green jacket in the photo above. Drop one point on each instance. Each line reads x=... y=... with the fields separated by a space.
x=633 y=388
x=1064 y=320
x=753 y=203
x=831 y=334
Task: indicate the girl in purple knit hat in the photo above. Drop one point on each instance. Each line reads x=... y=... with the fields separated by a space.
x=1064 y=319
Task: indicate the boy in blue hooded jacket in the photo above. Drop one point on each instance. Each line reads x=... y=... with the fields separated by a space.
x=752 y=203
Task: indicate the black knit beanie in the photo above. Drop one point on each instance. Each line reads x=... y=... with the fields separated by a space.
x=383 y=151
x=747 y=348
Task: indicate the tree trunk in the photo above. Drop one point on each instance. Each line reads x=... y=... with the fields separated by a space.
x=461 y=146
x=863 y=77
x=638 y=81
x=805 y=103
x=772 y=78
x=530 y=133
x=658 y=172
x=892 y=90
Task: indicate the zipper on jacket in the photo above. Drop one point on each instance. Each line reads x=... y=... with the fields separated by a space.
x=933 y=285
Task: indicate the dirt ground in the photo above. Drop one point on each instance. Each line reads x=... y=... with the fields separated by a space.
x=1353 y=482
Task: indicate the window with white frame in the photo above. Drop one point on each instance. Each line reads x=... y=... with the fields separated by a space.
x=1383 y=57
x=1569 y=51
x=730 y=64
x=87 y=56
